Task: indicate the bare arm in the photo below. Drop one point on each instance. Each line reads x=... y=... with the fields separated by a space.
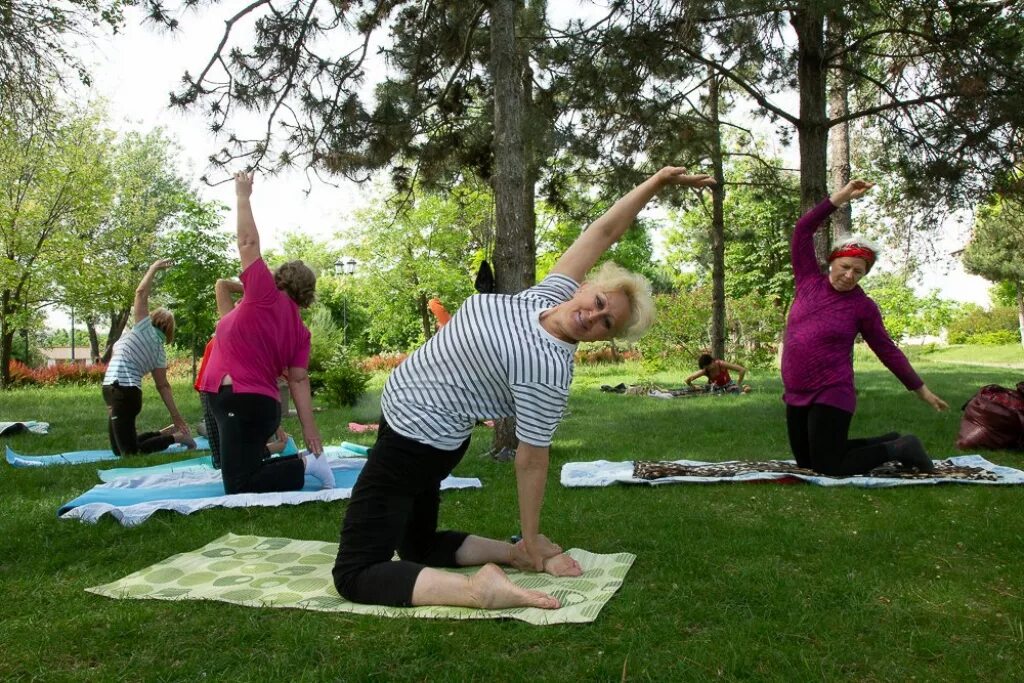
x=735 y=367
x=141 y=303
x=248 y=236
x=695 y=376
x=223 y=291
x=164 y=389
x=606 y=230
x=298 y=385
x=531 y=480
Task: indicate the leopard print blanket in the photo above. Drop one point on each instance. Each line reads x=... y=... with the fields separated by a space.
x=649 y=470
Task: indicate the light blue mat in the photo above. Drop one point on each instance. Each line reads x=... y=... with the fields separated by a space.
x=205 y=463
x=132 y=500
x=78 y=457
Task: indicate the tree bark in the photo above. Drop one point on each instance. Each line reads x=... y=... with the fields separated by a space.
x=1020 y=310
x=118 y=320
x=839 y=140
x=812 y=131
x=514 y=257
x=717 y=223
x=94 y=339
x=6 y=339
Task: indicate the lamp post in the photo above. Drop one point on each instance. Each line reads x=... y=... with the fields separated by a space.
x=72 y=335
x=345 y=266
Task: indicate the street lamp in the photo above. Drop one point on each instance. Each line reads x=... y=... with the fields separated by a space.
x=345 y=266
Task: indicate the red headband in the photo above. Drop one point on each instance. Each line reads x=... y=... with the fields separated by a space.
x=854 y=250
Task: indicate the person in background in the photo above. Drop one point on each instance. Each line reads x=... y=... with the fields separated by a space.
x=137 y=353
x=717 y=372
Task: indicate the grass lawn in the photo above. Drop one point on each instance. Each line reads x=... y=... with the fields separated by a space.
x=732 y=581
x=1006 y=355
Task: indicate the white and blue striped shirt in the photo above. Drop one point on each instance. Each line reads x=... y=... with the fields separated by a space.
x=492 y=360
x=135 y=354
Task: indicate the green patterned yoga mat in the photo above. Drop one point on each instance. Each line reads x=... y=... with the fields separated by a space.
x=282 y=572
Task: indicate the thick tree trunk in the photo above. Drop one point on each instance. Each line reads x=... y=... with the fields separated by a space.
x=717 y=224
x=118 y=320
x=809 y=23
x=839 y=150
x=94 y=339
x=6 y=339
x=514 y=257
x=428 y=328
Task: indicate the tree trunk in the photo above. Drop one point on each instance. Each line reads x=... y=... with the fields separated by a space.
x=421 y=304
x=118 y=320
x=514 y=258
x=94 y=339
x=1020 y=310
x=812 y=132
x=6 y=339
x=839 y=141
x=717 y=224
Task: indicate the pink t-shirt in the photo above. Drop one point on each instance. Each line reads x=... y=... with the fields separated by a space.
x=259 y=339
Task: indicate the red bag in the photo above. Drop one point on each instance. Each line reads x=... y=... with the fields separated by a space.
x=993 y=418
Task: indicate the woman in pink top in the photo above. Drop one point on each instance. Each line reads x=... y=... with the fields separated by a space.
x=827 y=314
x=259 y=339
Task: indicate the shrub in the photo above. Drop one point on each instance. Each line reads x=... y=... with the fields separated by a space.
x=975 y=321
x=597 y=353
x=994 y=338
x=342 y=381
x=70 y=373
x=383 y=361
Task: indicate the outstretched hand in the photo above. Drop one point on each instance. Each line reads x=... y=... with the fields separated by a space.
x=243 y=184
x=855 y=189
x=161 y=264
x=926 y=395
x=677 y=175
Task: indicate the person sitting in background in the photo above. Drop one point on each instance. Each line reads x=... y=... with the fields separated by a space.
x=717 y=372
x=137 y=353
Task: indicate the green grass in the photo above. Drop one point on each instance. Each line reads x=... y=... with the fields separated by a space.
x=1006 y=355
x=732 y=581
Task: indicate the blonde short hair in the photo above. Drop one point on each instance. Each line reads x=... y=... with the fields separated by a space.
x=611 y=276
x=163 y=320
x=298 y=281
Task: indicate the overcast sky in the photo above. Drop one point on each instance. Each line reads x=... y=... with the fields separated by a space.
x=135 y=70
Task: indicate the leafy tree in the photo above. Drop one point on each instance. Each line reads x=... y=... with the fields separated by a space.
x=996 y=249
x=905 y=313
x=53 y=187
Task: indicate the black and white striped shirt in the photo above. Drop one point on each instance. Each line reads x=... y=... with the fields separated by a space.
x=492 y=360
x=135 y=354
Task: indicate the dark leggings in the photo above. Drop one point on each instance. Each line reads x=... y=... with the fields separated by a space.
x=212 y=433
x=818 y=438
x=124 y=405
x=394 y=506
x=245 y=423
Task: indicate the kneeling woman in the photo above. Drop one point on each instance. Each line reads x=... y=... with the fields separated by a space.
x=259 y=339
x=500 y=356
x=137 y=353
x=828 y=313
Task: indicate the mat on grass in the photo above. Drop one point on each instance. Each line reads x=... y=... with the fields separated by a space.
x=78 y=457
x=205 y=462
x=132 y=500
x=281 y=572
x=31 y=426
x=962 y=469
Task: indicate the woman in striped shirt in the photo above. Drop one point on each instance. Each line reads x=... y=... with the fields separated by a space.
x=499 y=356
x=135 y=354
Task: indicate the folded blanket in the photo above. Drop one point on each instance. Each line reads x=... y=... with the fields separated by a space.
x=78 y=457
x=8 y=428
x=131 y=500
x=962 y=469
x=205 y=463
x=281 y=572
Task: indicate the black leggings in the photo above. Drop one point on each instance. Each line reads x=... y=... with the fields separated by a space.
x=818 y=438
x=245 y=423
x=212 y=433
x=394 y=506
x=124 y=405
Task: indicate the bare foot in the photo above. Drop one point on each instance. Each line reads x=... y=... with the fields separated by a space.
x=562 y=565
x=492 y=589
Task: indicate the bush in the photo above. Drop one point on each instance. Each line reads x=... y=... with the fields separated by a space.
x=342 y=381
x=383 y=361
x=975 y=321
x=69 y=373
x=597 y=353
x=994 y=338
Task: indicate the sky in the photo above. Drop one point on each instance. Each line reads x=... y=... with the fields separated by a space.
x=135 y=70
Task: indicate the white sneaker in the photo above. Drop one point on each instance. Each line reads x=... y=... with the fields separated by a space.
x=319 y=468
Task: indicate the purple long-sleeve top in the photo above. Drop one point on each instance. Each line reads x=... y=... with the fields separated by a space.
x=817 y=358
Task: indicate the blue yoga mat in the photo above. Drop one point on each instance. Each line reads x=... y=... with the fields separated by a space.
x=344 y=478
x=78 y=457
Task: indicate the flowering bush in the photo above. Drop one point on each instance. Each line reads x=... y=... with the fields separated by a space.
x=69 y=373
x=382 y=361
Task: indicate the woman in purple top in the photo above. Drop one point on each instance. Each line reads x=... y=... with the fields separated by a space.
x=259 y=339
x=828 y=313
